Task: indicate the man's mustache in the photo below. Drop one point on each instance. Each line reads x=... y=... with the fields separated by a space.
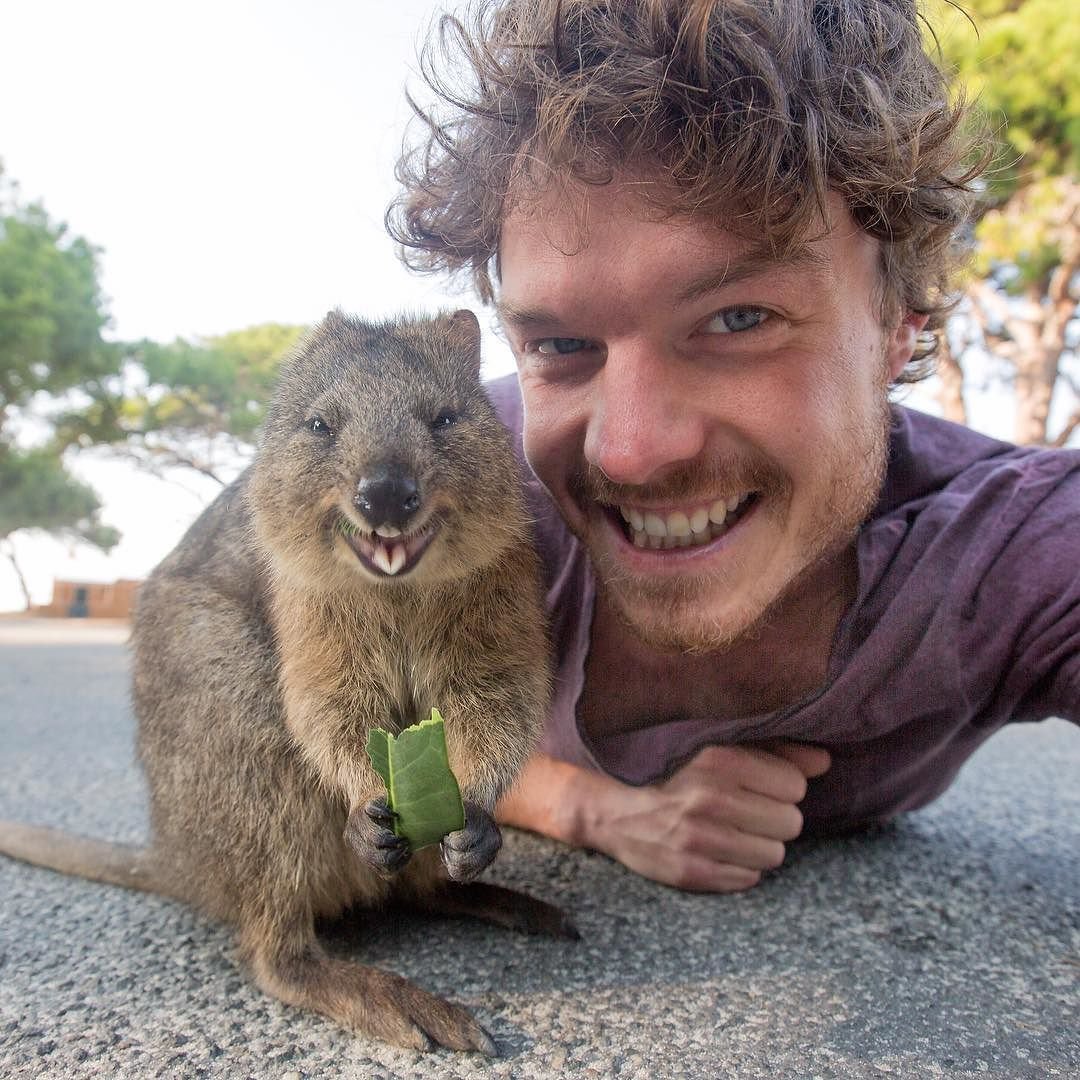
x=697 y=481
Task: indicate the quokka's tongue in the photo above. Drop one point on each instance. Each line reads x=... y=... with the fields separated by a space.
x=389 y=558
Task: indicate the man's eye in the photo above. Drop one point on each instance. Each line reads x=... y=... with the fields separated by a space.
x=560 y=346
x=733 y=320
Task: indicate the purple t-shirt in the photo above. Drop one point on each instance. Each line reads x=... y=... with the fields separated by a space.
x=967 y=617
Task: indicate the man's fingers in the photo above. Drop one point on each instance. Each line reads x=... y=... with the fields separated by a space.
x=696 y=873
x=722 y=840
x=761 y=815
x=810 y=760
x=753 y=769
x=704 y=875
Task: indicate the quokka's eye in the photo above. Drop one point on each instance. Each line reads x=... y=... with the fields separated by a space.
x=318 y=426
x=446 y=418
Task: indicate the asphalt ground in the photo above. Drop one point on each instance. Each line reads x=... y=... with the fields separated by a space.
x=946 y=944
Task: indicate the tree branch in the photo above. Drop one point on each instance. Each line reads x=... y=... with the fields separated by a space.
x=1062 y=438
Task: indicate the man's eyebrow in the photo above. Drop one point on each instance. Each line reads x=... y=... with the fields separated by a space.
x=745 y=265
x=749 y=264
x=514 y=315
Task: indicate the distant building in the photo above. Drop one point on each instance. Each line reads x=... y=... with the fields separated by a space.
x=91 y=600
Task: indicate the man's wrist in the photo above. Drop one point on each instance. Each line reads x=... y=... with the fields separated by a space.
x=550 y=797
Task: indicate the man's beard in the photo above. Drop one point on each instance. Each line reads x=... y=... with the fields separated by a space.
x=667 y=613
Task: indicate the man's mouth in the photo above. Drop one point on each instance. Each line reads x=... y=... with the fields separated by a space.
x=689 y=526
x=387 y=552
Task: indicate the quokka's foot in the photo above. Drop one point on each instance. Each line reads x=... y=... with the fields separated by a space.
x=371 y=1002
x=504 y=907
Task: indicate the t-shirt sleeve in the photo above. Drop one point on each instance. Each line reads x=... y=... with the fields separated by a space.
x=568 y=590
x=1025 y=614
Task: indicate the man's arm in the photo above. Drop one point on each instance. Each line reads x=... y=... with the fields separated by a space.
x=713 y=826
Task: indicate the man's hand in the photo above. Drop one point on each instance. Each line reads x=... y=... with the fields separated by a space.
x=713 y=826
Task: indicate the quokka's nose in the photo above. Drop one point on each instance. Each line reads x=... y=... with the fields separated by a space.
x=388 y=497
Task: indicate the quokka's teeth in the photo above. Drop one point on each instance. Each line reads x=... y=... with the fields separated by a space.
x=397 y=558
x=389 y=558
x=381 y=558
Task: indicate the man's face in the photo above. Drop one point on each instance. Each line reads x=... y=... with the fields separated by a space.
x=711 y=423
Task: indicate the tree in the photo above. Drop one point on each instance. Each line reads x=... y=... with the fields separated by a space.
x=37 y=492
x=1018 y=64
x=51 y=317
x=191 y=404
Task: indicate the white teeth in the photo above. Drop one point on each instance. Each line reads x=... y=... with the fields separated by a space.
x=389 y=558
x=680 y=529
x=654 y=525
x=397 y=558
x=678 y=524
x=381 y=558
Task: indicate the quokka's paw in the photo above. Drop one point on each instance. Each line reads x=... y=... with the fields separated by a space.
x=370 y=833
x=469 y=850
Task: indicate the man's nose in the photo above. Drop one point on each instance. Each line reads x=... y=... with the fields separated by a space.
x=643 y=418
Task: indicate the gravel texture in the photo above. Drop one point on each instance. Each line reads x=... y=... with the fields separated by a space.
x=944 y=945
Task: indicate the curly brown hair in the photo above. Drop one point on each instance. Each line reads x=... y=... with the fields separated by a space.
x=752 y=110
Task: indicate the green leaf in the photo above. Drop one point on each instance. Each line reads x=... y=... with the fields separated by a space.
x=378 y=749
x=421 y=789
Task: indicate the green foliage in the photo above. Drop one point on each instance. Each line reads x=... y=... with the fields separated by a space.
x=51 y=317
x=202 y=393
x=37 y=492
x=421 y=789
x=1019 y=65
x=51 y=308
x=1025 y=233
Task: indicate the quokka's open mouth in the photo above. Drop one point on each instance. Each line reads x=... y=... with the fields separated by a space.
x=386 y=552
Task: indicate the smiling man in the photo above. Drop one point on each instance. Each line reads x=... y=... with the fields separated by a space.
x=716 y=233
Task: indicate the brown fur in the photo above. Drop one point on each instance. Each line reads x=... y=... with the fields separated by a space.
x=264 y=651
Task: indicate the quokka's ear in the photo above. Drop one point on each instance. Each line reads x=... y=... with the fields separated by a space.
x=463 y=330
x=334 y=320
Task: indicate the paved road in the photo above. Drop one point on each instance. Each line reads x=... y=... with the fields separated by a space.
x=947 y=945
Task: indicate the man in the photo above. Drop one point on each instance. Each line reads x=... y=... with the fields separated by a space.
x=716 y=232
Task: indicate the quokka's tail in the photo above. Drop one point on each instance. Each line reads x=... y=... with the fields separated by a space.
x=116 y=864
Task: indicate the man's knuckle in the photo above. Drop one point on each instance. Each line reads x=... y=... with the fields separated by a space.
x=774 y=856
x=798 y=788
x=793 y=826
x=718 y=757
x=724 y=805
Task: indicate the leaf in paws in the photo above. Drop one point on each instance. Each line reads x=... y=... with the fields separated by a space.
x=421 y=789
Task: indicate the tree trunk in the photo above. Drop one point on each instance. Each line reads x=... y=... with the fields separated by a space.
x=9 y=551
x=1036 y=374
x=951 y=379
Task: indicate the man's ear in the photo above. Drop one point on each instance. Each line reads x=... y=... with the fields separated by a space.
x=902 y=342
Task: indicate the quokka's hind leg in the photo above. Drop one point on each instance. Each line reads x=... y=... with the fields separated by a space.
x=294 y=968
x=494 y=904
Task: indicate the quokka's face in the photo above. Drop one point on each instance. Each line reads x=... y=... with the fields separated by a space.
x=382 y=460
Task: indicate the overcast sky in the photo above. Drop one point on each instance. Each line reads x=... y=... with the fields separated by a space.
x=234 y=160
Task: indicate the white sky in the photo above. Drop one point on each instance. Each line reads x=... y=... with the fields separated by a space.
x=234 y=160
